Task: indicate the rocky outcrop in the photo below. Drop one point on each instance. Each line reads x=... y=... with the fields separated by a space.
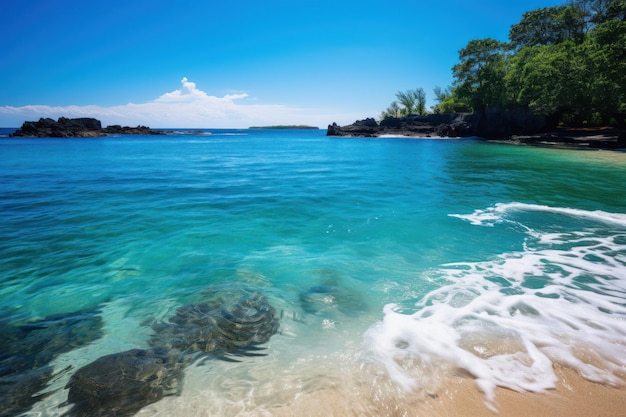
x=83 y=127
x=447 y=125
x=125 y=130
x=498 y=122
x=493 y=122
x=515 y=125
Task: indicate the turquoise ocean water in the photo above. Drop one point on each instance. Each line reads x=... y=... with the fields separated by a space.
x=390 y=261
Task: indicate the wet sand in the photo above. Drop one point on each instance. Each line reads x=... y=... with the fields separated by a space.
x=573 y=397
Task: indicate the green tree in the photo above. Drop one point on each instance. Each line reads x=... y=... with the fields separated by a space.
x=420 y=100
x=597 y=12
x=558 y=66
x=407 y=101
x=392 y=111
x=605 y=50
x=567 y=62
x=448 y=101
x=549 y=26
x=479 y=75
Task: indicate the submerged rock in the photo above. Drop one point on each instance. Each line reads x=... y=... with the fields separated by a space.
x=331 y=296
x=27 y=350
x=242 y=319
x=225 y=319
x=122 y=383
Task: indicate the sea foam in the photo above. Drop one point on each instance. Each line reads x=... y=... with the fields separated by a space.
x=506 y=321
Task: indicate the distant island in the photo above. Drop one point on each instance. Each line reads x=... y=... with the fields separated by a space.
x=83 y=127
x=285 y=127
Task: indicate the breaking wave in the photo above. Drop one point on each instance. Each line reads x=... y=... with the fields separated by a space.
x=506 y=321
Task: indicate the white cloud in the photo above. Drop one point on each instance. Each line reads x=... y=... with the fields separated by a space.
x=187 y=107
x=190 y=93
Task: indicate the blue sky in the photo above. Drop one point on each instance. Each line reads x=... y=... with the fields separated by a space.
x=233 y=63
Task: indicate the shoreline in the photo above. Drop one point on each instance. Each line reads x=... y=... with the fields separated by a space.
x=564 y=138
x=572 y=138
x=469 y=125
x=574 y=396
x=374 y=394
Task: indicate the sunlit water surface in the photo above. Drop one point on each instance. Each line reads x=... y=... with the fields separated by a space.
x=391 y=262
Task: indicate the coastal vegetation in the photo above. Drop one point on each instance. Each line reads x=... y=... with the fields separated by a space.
x=565 y=62
x=409 y=102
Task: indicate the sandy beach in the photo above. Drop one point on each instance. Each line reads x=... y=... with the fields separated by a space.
x=369 y=392
x=573 y=397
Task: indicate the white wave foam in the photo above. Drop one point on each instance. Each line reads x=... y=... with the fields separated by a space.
x=498 y=212
x=508 y=320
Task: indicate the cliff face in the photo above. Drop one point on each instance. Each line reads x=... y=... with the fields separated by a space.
x=75 y=128
x=489 y=123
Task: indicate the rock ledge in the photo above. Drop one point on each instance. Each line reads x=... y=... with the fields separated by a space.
x=84 y=127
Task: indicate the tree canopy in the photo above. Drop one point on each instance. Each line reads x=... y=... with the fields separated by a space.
x=566 y=62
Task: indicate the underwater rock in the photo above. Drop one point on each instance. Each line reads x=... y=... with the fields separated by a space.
x=226 y=319
x=27 y=350
x=318 y=298
x=244 y=318
x=122 y=383
x=333 y=295
x=19 y=391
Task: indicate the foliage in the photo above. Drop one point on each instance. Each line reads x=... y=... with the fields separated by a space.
x=566 y=61
x=480 y=73
x=449 y=102
x=597 y=12
x=550 y=78
x=409 y=102
x=549 y=26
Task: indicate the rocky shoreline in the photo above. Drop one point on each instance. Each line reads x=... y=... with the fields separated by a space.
x=84 y=127
x=513 y=126
x=439 y=125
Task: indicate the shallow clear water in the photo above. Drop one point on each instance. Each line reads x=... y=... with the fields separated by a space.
x=394 y=257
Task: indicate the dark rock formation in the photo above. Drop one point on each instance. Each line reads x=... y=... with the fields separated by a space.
x=497 y=122
x=76 y=128
x=27 y=350
x=220 y=321
x=225 y=319
x=125 y=130
x=448 y=125
x=515 y=125
x=122 y=383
